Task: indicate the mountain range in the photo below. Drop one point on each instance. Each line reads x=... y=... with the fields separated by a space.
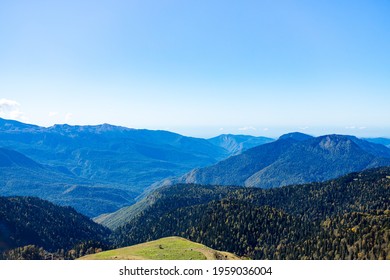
x=294 y=158
x=103 y=168
x=130 y=159
x=99 y=169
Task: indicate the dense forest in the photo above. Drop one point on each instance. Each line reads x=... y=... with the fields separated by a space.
x=346 y=218
x=268 y=233
x=34 y=228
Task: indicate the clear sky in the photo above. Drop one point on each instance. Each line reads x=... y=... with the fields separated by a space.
x=199 y=67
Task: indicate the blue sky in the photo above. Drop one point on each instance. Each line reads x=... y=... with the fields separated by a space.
x=199 y=68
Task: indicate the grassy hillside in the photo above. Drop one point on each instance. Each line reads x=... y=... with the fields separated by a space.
x=169 y=248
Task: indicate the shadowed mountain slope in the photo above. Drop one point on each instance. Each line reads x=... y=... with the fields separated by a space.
x=29 y=220
x=20 y=175
x=236 y=144
x=382 y=141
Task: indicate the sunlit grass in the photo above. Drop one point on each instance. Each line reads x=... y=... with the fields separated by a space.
x=170 y=248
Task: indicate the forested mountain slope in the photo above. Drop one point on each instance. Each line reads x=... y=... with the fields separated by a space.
x=346 y=218
x=32 y=221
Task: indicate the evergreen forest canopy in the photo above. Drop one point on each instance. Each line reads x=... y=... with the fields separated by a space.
x=345 y=218
x=32 y=228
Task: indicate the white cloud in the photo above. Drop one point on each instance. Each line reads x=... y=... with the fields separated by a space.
x=10 y=109
x=265 y=129
x=68 y=117
x=352 y=127
x=247 y=128
x=8 y=103
x=53 y=114
x=221 y=129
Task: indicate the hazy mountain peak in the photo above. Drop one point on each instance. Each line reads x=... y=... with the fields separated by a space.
x=337 y=143
x=338 y=137
x=11 y=125
x=101 y=128
x=296 y=136
x=335 y=138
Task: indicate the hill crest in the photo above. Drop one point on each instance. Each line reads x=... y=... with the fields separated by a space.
x=168 y=248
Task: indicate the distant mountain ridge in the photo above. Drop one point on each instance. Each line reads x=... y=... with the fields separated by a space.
x=236 y=144
x=99 y=168
x=381 y=140
x=296 y=136
x=20 y=175
x=11 y=125
x=129 y=159
x=293 y=159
